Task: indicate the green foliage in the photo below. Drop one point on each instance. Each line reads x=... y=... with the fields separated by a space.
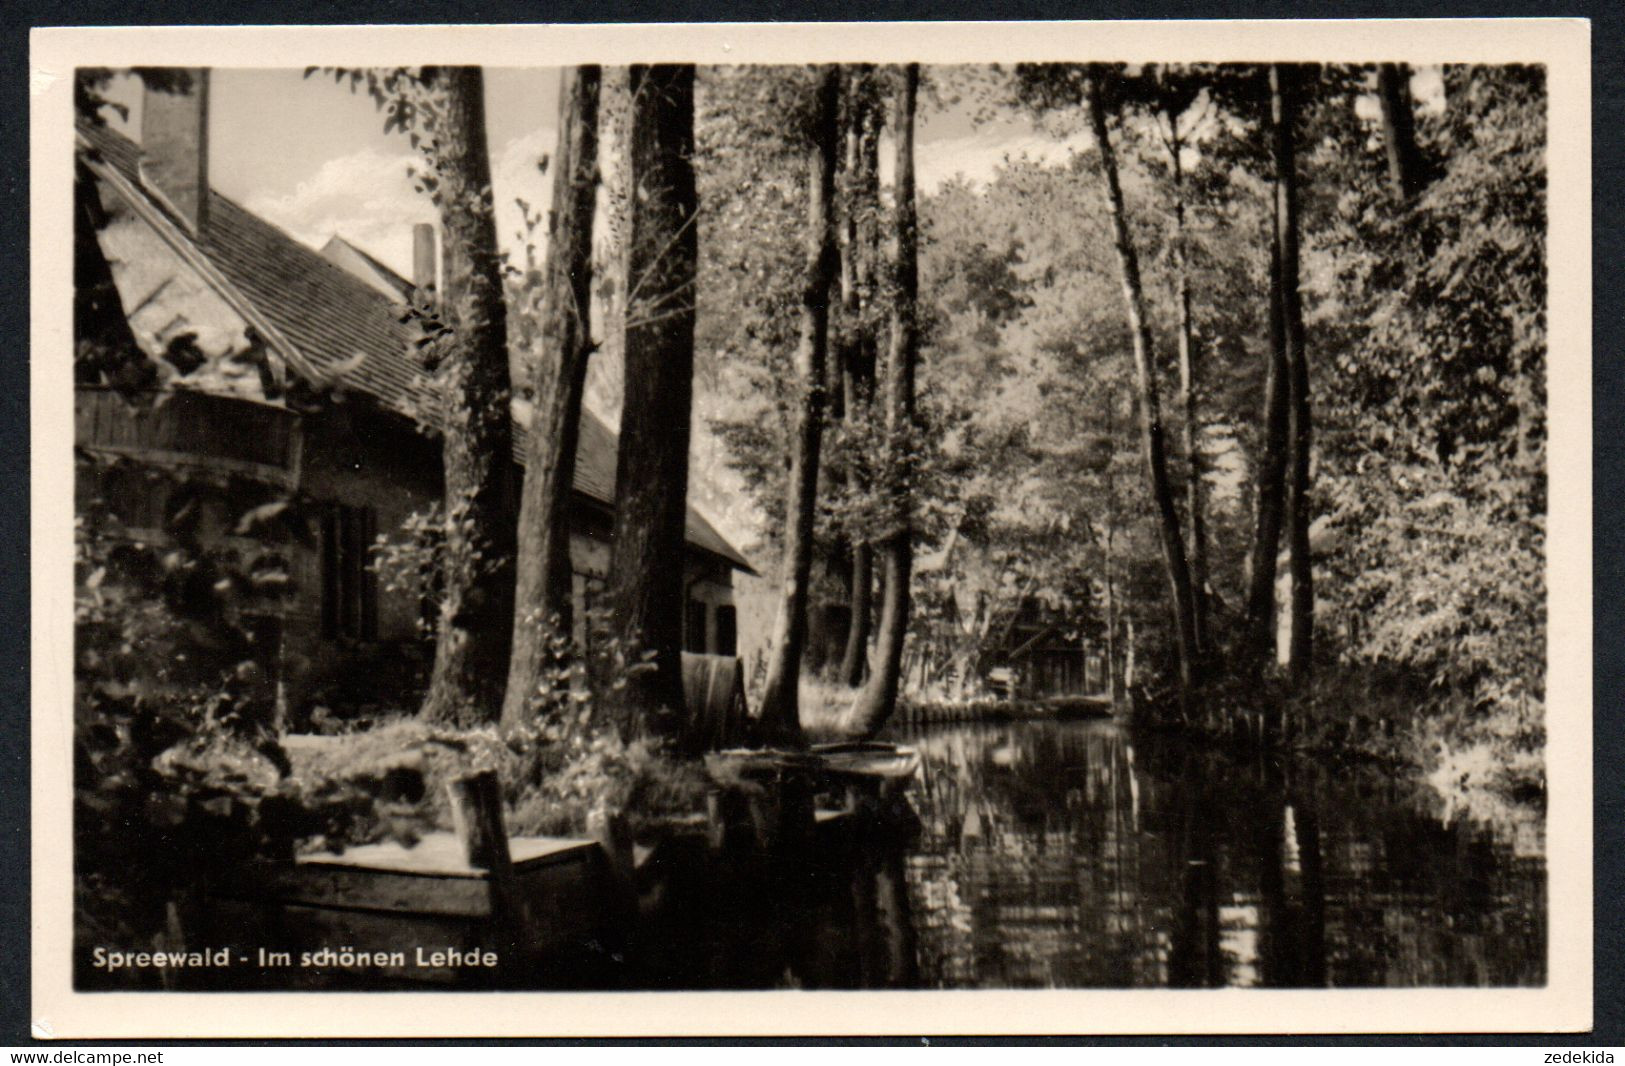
x=752 y=188
x=899 y=475
x=752 y=128
x=179 y=776
x=1434 y=469
x=1049 y=498
x=410 y=562
x=1427 y=324
x=89 y=84
x=599 y=772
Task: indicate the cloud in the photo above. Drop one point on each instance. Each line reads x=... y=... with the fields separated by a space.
x=516 y=176
x=367 y=198
x=978 y=155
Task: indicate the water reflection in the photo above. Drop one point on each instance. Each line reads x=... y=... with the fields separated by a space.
x=1066 y=855
x=836 y=916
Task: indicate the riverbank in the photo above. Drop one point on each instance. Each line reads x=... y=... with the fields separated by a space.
x=825 y=710
x=1483 y=763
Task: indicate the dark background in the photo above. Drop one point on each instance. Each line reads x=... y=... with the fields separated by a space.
x=1608 y=389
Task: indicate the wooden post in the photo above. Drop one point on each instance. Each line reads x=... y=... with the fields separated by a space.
x=795 y=808
x=476 y=817
x=716 y=824
x=614 y=839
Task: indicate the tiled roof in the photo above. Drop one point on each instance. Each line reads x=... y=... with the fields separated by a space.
x=330 y=316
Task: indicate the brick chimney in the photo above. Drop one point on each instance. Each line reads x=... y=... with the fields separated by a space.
x=423 y=259
x=175 y=147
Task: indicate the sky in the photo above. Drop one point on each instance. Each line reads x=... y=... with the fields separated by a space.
x=313 y=158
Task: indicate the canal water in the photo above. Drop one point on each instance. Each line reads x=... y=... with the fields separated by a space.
x=1078 y=855
x=1081 y=855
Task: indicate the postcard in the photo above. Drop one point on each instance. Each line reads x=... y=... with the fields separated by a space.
x=939 y=528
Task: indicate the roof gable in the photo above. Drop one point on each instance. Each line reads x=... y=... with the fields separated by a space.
x=332 y=316
x=358 y=261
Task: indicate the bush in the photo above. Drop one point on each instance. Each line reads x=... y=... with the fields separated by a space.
x=178 y=773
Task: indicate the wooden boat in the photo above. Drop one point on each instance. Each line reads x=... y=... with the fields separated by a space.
x=887 y=767
x=786 y=788
x=758 y=762
x=471 y=909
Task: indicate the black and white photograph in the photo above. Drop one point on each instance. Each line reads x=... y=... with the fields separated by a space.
x=870 y=518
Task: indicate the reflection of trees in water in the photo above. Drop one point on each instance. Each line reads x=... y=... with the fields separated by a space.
x=1027 y=871
x=1079 y=856
x=1066 y=855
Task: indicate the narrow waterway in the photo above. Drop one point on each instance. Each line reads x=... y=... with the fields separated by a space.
x=1044 y=854
x=1080 y=855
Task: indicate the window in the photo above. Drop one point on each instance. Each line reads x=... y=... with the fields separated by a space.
x=349 y=587
x=694 y=631
x=727 y=631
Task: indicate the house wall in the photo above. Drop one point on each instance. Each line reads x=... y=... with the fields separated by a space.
x=1055 y=671
x=756 y=599
x=362 y=459
x=367 y=463
x=708 y=592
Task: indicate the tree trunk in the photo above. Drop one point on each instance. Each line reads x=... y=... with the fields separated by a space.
x=844 y=334
x=543 y=606
x=1151 y=430
x=476 y=606
x=859 y=237
x=1131 y=664
x=651 y=482
x=1270 y=489
x=1283 y=116
x=855 y=657
x=1114 y=676
x=1405 y=171
x=1187 y=393
x=780 y=720
x=878 y=697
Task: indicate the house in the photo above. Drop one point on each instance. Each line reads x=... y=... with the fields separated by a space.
x=361 y=263
x=236 y=314
x=1041 y=655
x=1041 y=662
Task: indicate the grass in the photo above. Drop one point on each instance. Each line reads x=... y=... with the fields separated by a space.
x=550 y=787
x=826 y=709
x=404 y=762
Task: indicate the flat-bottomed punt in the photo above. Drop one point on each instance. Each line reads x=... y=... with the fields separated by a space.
x=384 y=902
